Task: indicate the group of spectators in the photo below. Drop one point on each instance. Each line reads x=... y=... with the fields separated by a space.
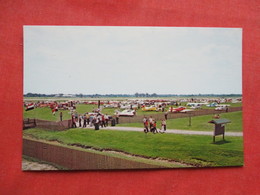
x=89 y=120
x=150 y=125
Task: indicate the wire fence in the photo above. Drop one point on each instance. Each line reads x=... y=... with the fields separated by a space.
x=50 y=125
x=160 y=116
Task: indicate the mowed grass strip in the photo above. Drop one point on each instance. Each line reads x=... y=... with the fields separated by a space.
x=198 y=123
x=190 y=149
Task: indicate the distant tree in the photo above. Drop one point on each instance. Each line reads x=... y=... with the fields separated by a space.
x=154 y=95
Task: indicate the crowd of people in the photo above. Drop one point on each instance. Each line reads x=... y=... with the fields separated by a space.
x=87 y=119
x=150 y=125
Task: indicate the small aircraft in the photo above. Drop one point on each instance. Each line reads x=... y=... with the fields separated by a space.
x=213 y=104
x=128 y=106
x=29 y=106
x=196 y=105
x=127 y=112
x=110 y=105
x=149 y=108
x=187 y=110
x=222 y=107
x=179 y=109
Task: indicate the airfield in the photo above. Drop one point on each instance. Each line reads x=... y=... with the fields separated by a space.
x=187 y=141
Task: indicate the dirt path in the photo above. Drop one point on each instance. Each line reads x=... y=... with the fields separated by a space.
x=35 y=166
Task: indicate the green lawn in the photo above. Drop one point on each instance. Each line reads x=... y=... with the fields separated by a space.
x=199 y=123
x=46 y=114
x=192 y=149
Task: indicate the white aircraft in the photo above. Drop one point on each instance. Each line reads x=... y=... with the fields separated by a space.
x=222 y=107
x=126 y=113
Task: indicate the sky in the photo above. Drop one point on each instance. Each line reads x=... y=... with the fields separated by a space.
x=126 y=60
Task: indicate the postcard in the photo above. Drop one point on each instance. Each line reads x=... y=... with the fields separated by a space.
x=125 y=97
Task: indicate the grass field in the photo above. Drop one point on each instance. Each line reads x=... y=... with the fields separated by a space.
x=199 y=123
x=191 y=149
x=46 y=114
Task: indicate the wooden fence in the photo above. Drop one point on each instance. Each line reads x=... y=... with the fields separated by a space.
x=74 y=159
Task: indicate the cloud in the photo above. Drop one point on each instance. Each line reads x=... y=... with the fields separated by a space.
x=80 y=59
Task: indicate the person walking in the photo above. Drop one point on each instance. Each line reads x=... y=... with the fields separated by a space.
x=154 y=127
x=150 y=123
x=164 y=125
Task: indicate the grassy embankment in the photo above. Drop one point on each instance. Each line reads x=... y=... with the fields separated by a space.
x=191 y=149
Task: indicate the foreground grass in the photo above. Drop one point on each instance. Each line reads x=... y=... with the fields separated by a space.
x=191 y=149
x=199 y=123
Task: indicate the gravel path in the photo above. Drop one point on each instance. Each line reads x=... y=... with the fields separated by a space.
x=35 y=166
x=176 y=131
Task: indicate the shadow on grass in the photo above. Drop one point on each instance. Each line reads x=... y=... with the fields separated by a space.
x=221 y=142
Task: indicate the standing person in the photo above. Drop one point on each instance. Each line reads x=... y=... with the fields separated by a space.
x=80 y=118
x=106 y=119
x=100 y=122
x=60 y=116
x=92 y=120
x=166 y=115
x=154 y=127
x=91 y=117
x=117 y=118
x=76 y=116
x=73 y=121
x=87 y=118
x=164 y=125
x=150 y=123
x=226 y=108
x=53 y=111
x=84 y=121
x=103 y=120
x=145 y=122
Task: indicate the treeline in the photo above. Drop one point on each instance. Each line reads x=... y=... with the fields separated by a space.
x=38 y=95
x=137 y=95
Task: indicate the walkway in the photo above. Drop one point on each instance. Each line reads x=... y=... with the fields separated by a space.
x=176 y=131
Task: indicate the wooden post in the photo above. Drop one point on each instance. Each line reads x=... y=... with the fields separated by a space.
x=189 y=119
